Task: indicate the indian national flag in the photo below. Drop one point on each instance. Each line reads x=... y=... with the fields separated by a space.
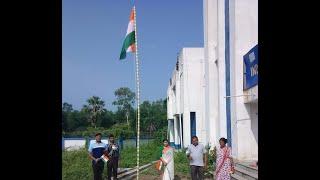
x=105 y=158
x=129 y=41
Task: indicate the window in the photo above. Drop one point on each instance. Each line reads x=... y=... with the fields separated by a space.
x=193 y=124
x=177 y=66
x=181 y=128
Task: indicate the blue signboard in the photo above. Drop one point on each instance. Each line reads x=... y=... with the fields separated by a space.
x=251 y=64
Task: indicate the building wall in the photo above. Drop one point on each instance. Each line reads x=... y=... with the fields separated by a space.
x=169 y=103
x=243 y=25
x=201 y=80
x=189 y=96
x=244 y=34
x=211 y=114
x=74 y=144
x=221 y=71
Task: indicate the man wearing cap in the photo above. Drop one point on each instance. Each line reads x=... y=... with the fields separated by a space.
x=96 y=150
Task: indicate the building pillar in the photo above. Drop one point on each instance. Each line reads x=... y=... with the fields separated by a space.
x=176 y=132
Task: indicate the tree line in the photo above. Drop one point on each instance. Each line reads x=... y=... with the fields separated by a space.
x=93 y=114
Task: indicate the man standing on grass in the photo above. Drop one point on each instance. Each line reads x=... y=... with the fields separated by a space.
x=114 y=155
x=96 y=150
x=197 y=155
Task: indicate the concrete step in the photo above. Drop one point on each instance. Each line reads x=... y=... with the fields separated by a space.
x=237 y=177
x=245 y=174
x=247 y=167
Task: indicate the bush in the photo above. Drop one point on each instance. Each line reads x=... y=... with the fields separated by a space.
x=76 y=165
x=181 y=163
x=212 y=158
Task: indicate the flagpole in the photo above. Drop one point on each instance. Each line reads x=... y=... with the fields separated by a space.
x=138 y=91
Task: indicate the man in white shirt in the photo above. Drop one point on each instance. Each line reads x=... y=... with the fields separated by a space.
x=198 y=159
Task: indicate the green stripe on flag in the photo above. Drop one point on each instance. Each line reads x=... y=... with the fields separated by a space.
x=130 y=39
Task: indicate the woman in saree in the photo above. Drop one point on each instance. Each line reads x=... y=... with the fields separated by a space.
x=224 y=161
x=167 y=161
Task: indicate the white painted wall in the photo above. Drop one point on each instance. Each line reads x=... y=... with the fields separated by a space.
x=221 y=72
x=252 y=95
x=192 y=59
x=211 y=69
x=244 y=110
x=189 y=95
x=170 y=109
x=200 y=81
x=244 y=32
x=169 y=103
x=74 y=144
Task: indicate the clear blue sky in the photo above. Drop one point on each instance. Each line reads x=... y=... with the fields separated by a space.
x=92 y=36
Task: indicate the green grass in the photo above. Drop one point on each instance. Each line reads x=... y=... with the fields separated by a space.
x=76 y=165
x=148 y=153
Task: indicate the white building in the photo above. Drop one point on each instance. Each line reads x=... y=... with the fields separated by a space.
x=213 y=84
x=186 y=99
x=230 y=32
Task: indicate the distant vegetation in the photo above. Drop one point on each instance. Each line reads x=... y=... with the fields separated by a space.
x=94 y=117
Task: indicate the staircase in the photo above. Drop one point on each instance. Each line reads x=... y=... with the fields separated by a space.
x=243 y=171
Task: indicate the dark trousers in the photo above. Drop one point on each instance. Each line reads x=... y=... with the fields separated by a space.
x=196 y=172
x=113 y=168
x=97 y=170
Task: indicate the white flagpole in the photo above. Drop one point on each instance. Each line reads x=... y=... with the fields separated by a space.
x=138 y=91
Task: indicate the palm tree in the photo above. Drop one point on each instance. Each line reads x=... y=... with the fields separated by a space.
x=94 y=108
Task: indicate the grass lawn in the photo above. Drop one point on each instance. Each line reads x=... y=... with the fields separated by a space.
x=76 y=165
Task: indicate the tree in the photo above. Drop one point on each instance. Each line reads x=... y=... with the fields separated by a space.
x=66 y=110
x=153 y=116
x=75 y=120
x=151 y=128
x=107 y=119
x=159 y=110
x=125 y=100
x=94 y=108
x=66 y=107
x=145 y=117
